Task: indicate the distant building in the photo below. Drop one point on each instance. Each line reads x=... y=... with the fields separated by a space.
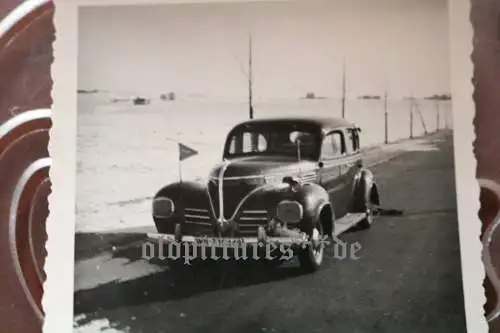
x=310 y=95
x=369 y=97
x=141 y=101
x=168 y=97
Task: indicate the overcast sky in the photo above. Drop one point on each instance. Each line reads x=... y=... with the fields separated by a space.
x=298 y=47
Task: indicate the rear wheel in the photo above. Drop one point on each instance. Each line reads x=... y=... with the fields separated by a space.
x=369 y=205
x=311 y=257
x=366 y=223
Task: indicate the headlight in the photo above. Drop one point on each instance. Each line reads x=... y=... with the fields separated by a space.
x=289 y=211
x=274 y=180
x=163 y=207
x=254 y=181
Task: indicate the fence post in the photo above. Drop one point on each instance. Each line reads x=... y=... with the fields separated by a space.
x=447 y=112
x=411 y=118
x=386 y=125
x=437 y=116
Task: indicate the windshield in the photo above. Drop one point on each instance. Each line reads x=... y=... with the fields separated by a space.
x=280 y=140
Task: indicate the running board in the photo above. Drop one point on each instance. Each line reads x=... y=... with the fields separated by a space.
x=347 y=222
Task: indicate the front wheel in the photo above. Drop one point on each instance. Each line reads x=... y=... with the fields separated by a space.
x=370 y=204
x=311 y=257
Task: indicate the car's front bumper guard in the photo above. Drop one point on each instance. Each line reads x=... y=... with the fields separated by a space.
x=228 y=242
x=286 y=237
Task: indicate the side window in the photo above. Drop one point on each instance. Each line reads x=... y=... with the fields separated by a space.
x=333 y=145
x=350 y=143
x=232 y=146
x=353 y=144
x=356 y=136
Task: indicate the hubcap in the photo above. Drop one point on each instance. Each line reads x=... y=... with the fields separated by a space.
x=369 y=215
x=316 y=245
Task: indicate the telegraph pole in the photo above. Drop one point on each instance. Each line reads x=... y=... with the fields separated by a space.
x=386 y=122
x=411 y=116
x=438 y=125
x=343 y=87
x=250 y=77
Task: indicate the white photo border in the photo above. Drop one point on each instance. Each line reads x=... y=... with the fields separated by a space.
x=467 y=187
x=59 y=267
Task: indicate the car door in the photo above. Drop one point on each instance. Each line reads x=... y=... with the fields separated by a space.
x=332 y=171
x=352 y=160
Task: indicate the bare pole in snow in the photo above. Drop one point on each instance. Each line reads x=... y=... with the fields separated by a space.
x=438 y=120
x=250 y=77
x=386 y=122
x=411 y=115
x=343 y=87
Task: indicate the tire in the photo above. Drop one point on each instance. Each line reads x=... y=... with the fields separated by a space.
x=311 y=257
x=367 y=222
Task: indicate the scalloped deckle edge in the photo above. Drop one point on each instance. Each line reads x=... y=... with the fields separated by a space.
x=487 y=239
x=473 y=272
x=59 y=265
x=58 y=296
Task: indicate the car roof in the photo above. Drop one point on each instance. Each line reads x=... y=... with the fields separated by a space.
x=324 y=123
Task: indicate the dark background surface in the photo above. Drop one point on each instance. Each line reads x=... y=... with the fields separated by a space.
x=6 y=6
x=30 y=57
x=485 y=19
x=25 y=84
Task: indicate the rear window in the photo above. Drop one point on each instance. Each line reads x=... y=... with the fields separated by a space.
x=272 y=139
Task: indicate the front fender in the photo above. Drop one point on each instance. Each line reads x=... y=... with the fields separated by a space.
x=182 y=194
x=313 y=198
x=315 y=201
x=182 y=190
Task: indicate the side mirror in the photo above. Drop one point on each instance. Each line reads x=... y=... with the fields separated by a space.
x=290 y=180
x=295 y=137
x=293 y=182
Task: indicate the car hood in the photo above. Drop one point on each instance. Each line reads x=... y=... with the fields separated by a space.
x=261 y=165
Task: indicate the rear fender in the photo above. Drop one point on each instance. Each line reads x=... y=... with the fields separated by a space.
x=364 y=191
x=325 y=215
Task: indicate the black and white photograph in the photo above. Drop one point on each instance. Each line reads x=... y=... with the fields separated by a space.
x=266 y=166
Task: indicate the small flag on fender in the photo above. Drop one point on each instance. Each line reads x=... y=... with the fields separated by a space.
x=185 y=152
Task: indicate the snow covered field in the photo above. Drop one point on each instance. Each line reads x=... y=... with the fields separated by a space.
x=126 y=153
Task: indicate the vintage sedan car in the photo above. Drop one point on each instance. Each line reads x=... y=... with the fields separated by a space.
x=280 y=180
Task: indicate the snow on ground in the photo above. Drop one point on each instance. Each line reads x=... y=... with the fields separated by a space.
x=419 y=144
x=126 y=153
x=95 y=326
x=92 y=273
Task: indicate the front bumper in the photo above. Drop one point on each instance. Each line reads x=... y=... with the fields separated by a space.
x=280 y=236
x=228 y=242
x=228 y=234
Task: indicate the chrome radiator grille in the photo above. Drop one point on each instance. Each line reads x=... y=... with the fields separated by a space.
x=233 y=192
x=198 y=221
x=197 y=216
x=248 y=220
